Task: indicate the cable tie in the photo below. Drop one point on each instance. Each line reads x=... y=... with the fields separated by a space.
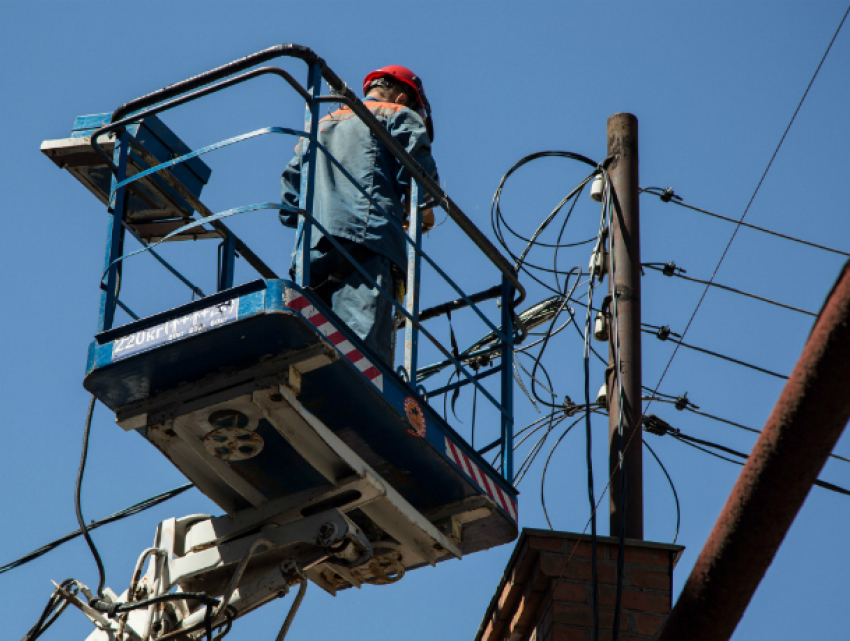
x=663 y=333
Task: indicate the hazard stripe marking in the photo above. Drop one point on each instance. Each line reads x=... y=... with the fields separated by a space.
x=335 y=337
x=480 y=477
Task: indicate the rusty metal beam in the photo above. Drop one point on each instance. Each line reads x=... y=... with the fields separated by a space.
x=802 y=430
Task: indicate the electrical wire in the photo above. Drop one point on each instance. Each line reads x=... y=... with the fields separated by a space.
x=750 y=429
x=716 y=355
x=558 y=246
x=519 y=382
x=728 y=289
x=536 y=448
x=55 y=607
x=536 y=382
x=498 y=219
x=78 y=509
x=588 y=432
x=500 y=225
x=615 y=349
x=546 y=466
x=666 y=195
x=549 y=311
x=690 y=407
x=740 y=221
x=823 y=484
x=123 y=514
x=702 y=444
x=551 y=326
x=560 y=303
x=208 y=601
x=672 y=487
x=489 y=344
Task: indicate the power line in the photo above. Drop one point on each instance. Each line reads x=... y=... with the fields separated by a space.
x=750 y=429
x=690 y=440
x=670 y=269
x=667 y=195
x=664 y=336
x=752 y=198
x=687 y=405
x=123 y=514
x=659 y=427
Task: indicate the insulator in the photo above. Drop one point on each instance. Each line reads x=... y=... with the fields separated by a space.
x=600 y=327
x=596 y=188
x=599 y=263
x=602 y=396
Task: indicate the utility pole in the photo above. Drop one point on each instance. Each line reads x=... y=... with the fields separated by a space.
x=624 y=287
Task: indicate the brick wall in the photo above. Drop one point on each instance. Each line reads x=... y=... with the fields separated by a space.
x=546 y=591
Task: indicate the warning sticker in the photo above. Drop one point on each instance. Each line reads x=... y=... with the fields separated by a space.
x=415 y=417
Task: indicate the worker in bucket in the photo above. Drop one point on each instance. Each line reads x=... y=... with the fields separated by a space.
x=395 y=96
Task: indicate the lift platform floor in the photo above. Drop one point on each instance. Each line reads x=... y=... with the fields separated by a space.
x=228 y=387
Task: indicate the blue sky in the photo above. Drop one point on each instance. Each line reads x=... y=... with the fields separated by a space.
x=713 y=86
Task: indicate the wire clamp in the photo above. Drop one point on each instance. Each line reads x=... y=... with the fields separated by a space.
x=682 y=402
x=667 y=195
x=657 y=426
x=671 y=268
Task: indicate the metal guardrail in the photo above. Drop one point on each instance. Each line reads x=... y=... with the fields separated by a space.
x=342 y=93
x=223 y=77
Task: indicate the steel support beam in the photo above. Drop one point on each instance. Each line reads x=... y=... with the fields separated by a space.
x=802 y=430
x=626 y=501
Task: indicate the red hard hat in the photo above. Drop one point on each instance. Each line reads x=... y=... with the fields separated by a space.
x=402 y=74
x=405 y=75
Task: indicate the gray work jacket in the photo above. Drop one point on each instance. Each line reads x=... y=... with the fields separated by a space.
x=337 y=204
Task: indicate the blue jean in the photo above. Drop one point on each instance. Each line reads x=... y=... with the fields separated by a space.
x=354 y=300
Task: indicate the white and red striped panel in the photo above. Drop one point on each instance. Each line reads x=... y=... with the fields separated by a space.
x=300 y=304
x=488 y=485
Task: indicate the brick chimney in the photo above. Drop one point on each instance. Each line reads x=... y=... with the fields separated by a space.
x=545 y=593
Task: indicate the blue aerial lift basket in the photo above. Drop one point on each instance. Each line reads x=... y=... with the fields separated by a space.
x=263 y=397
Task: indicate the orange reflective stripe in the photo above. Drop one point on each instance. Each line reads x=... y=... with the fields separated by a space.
x=391 y=106
x=344 y=113
x=336 y=115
